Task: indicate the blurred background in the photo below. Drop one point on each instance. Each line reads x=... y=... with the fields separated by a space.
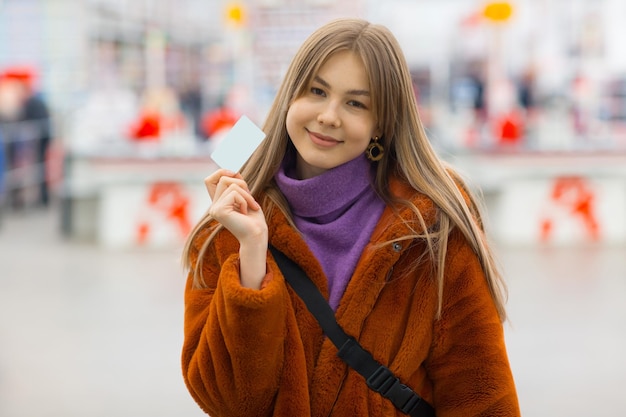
x=109 y=110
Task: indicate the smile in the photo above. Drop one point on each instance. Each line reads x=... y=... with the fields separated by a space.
x=322 y=140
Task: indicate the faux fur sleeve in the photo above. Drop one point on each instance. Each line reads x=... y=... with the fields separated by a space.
x=469 y=366
x=233 y=340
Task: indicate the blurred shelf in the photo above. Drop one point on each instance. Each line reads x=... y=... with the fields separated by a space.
x=492 y=170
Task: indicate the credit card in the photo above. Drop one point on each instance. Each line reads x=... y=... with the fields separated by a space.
x=236 y=147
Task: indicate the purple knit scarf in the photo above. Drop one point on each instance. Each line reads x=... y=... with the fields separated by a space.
x=336 y=212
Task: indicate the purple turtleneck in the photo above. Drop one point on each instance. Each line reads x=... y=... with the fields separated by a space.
x=336 y=212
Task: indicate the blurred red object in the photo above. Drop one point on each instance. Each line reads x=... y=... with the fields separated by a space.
x=148 y=126
x=219 y=119
x=578 y=197
x=171 y=200
x=151 y=125
x=24 y=74
x=509 y=128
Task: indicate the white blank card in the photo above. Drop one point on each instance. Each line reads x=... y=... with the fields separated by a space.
x=236 y=147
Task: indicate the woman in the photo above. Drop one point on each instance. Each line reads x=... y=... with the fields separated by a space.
x=347 y=185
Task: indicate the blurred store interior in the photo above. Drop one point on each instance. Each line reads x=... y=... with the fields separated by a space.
x=109 y=110
x=527 y=94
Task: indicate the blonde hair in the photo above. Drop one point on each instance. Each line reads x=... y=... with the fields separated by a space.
x=409 y=154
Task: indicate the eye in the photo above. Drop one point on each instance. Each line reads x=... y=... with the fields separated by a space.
x=357 y=104
x=317 y=91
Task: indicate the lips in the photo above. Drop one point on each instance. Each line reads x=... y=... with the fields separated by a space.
x=323 y=140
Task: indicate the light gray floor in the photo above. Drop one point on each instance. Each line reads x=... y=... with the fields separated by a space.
x=89 y=332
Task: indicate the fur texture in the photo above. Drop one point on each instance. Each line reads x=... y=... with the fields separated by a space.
x=261 y=353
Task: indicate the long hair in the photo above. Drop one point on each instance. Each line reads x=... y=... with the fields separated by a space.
x=409 y=154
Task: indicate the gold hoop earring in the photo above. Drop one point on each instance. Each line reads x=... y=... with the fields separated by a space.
x=375 y=150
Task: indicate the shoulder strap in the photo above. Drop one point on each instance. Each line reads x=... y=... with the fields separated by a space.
x=378 y=377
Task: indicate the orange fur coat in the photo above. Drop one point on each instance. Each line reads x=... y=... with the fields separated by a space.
x=261 y=353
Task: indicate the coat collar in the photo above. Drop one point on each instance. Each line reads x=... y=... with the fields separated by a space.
x=376 y=260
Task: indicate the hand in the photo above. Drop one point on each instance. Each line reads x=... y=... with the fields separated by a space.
x=237 y=210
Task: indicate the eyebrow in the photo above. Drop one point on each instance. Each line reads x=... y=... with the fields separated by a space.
x=349 y=92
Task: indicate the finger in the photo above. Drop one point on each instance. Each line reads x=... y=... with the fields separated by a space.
x=229 y=183
x=217 y=182
x=211 y=181
x=243 y=195
x=240 y=204
x=233 y=199
x=230 y=205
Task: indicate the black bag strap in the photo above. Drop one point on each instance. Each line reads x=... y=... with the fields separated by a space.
x=378 y=377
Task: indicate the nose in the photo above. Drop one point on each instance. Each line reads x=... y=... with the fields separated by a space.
x=329 y=115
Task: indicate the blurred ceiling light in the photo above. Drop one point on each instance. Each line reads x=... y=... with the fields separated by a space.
x=498 y=11
x=235 y=15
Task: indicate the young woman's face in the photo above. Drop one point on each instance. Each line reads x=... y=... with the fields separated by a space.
x=332 y=122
